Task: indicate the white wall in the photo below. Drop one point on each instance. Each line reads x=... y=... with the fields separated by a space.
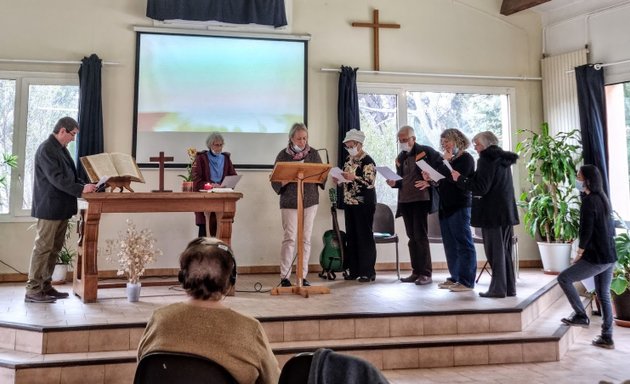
x=436 y=36
x=606 y=32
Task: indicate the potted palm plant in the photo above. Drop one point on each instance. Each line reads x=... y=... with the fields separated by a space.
x=620 y=285
x=551 y=204
x=7 y=160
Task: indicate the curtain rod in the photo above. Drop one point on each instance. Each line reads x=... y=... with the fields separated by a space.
x=600 y=66
x=449 y=75
x=25 y=61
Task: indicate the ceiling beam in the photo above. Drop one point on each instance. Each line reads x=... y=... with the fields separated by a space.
x=512 y=6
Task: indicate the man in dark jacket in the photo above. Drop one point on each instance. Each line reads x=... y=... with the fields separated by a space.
x=494 y=210
x=416 y=199
x=56 y=187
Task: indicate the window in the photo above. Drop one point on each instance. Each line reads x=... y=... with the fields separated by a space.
x=29 y=108
x=618 y=124
x=385 y=108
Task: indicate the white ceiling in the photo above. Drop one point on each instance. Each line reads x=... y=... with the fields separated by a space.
x=556 y=10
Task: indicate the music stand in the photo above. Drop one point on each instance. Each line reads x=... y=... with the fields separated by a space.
x=300 y=173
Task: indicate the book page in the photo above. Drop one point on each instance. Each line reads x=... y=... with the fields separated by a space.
x=126 y=166
x=98 y=166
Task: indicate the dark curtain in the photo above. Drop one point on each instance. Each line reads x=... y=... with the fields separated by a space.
x=592 y=105
x=264 y=12
x=90 y=138
x=347 y=114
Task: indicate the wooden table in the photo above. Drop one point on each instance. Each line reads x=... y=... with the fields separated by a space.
x=85 y=280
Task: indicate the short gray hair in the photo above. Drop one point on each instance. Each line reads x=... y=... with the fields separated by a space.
x=486 y=139
x=407 y=128
x=214 y=136
x=297 y=127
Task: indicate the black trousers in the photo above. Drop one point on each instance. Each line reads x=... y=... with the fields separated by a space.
x=497 y=242
x=360 y=255
x=415 y=217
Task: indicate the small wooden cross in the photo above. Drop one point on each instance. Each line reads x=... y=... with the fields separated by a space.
x=375 y=27
x=161 y=159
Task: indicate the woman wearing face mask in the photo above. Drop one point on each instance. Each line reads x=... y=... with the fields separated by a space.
x=454 y=213
x=211 y=166
x=596 y=254
x=297 y=150
x=359 y=197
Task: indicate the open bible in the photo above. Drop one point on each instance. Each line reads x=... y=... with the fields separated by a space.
x=116 y=170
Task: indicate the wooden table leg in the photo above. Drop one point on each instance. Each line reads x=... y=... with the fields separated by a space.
x=85 y=284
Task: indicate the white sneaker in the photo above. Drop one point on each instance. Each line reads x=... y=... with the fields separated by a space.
x=457 y=287
x=446 y=284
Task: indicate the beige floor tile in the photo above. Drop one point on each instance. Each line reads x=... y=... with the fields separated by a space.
x=470 y=355
x=375 y=357
x=71 y=341
x=7 y=338
x=375 y=327
x=39 y=375
x=440 y=325
x=119 y=373
x=301 y=330
x=93 y=374
x=336 y=329
x=109 y=340
x=436 y=357
x=505 y=353
x=406 y=326
x=539 y=352
x=473 y=324
x=400 y=358
x=29 y=341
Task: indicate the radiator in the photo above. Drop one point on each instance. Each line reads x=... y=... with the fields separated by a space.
x=560 y=105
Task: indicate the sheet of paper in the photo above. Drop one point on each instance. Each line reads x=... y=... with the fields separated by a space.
x=102 y=181
x=435 y=175
x=336 y=173
x=448 y=165
x=388 y=174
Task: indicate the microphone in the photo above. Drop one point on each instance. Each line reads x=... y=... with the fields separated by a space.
x=325 y=150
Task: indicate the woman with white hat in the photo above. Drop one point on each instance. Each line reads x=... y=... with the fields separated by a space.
x=359 y=197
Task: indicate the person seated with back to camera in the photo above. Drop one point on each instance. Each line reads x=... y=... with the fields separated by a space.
x=204 y=326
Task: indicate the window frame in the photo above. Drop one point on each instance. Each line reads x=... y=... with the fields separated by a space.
x=23 y=80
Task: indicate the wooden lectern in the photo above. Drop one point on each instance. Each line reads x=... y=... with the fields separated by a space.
x=300 y=173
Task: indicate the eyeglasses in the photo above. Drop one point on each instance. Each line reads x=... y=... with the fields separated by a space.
x=216 y=145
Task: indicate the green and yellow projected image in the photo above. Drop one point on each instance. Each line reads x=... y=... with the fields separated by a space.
x=226 y=84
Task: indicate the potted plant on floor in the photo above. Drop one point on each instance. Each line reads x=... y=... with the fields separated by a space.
x=133 y=250
x=620 y=285
x=551 y=204
x=64 y=259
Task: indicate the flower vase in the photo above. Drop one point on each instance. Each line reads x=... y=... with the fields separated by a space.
x=133 y=292
x=187 y=186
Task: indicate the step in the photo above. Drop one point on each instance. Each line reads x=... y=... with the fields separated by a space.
x=545 y=339
x=339 y=326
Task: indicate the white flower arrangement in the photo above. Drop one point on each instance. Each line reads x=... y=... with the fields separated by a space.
x=132 y=251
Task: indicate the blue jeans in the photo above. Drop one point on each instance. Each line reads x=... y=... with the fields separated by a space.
x=459 y=248
x=603 y=276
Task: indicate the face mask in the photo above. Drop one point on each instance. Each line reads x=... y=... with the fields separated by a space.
x=404 y=147
x=579 y=185
x=297 y=148
x=352 y=151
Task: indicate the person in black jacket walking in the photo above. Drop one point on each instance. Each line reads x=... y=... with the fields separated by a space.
x=494 y=210
x=596 y=254
x=56 y=186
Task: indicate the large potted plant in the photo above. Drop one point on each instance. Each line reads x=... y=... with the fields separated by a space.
x=551 y=204
x=620 y=285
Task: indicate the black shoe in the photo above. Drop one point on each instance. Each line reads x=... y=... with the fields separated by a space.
x=285 y=283
x=56 y=294
x=367 y=279
x=604 y=342
x=39 y=297
x=491 y=295
x=305 y=283
x=349 y=277
x=410 y=279
x=577 y=321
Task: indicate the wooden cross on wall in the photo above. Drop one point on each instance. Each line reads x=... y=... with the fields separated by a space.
x=375 y=27
x=161 y=159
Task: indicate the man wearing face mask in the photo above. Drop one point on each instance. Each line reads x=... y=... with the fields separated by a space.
x=416 y=199
x=211 y=166
x=297 y=150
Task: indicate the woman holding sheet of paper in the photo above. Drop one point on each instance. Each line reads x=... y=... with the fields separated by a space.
x=359 y=197
x=211 y=166
x=454 y=212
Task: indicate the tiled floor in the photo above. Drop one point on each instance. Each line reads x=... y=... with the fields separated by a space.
x=385 y=295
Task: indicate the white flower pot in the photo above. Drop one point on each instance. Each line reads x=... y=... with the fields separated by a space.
x=556 y=257
x=133 y=292
x=59 y=274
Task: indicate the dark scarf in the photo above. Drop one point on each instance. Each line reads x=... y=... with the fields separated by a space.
x=297 y=156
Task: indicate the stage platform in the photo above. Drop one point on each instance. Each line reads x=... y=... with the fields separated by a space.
x=392 y=324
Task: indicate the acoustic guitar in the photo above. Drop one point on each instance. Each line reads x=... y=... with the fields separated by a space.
x=331 y=257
